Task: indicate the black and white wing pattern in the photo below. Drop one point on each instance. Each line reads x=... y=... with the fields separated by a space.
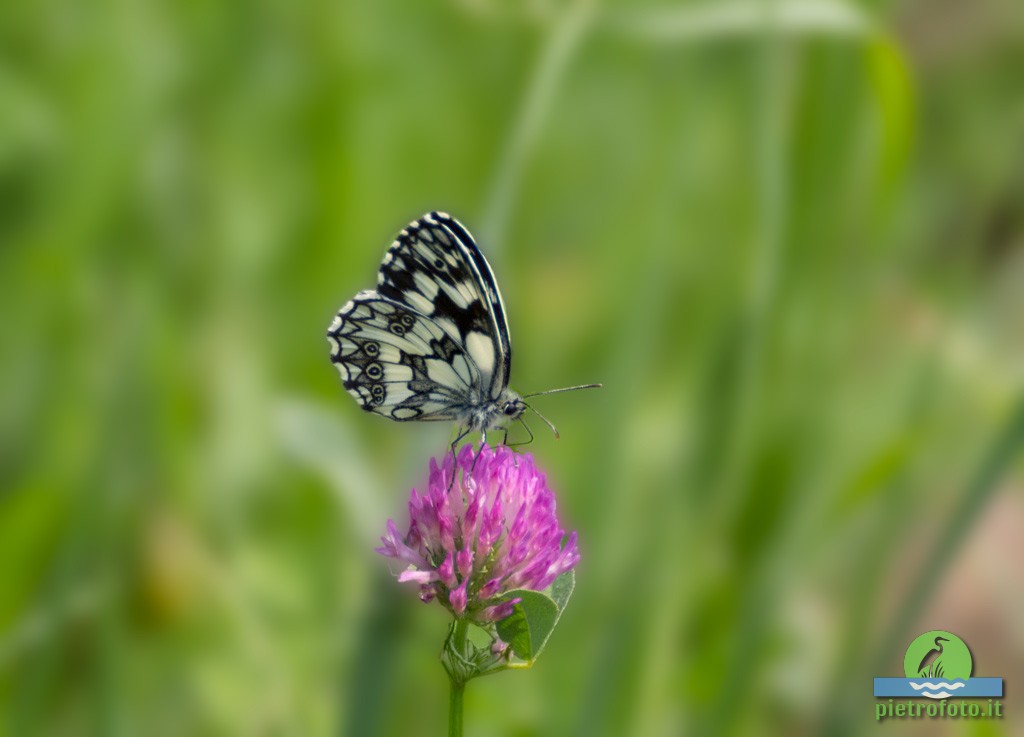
x=431 y=342
x=435 y=266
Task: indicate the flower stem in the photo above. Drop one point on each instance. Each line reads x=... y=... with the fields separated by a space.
x=458 y=686
x=455 y=709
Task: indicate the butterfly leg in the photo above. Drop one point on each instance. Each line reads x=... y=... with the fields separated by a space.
x=528 y=432
x=476 y=456
x=520 y=444
x=455 y=458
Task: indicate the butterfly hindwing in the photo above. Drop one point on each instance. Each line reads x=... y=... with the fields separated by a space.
x=436 y=268
x=400 y=363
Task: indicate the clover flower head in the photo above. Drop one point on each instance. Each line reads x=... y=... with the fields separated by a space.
x=492 y=531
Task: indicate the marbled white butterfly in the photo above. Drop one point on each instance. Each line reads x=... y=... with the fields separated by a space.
x=431 y=342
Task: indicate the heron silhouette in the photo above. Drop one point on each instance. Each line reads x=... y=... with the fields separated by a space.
x=931 y=664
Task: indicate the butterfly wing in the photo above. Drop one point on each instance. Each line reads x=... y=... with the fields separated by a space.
x=400 y=363
x=436 y=268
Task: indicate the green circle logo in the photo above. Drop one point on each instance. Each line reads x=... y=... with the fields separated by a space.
x=938 y=654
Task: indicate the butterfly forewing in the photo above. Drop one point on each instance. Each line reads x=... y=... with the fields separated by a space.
x=436 y=268
x=399 y=363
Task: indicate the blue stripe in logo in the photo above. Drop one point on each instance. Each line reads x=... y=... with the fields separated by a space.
x=937 y=688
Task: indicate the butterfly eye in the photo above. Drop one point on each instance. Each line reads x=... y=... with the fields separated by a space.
x=510 y=409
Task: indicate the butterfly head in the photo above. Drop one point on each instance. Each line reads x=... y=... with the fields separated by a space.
x=512 y=406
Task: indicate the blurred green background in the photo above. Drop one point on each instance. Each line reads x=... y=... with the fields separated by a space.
x=787 y=236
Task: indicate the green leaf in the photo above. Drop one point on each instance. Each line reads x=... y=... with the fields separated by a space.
x=893 y=90
x=534 y=618
x=561 y=589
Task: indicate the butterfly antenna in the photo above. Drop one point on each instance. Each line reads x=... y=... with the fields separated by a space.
x=563 y=389
x=546 y=420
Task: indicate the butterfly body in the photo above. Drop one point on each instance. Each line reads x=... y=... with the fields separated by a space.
x=431 y=342
x=495 y=414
